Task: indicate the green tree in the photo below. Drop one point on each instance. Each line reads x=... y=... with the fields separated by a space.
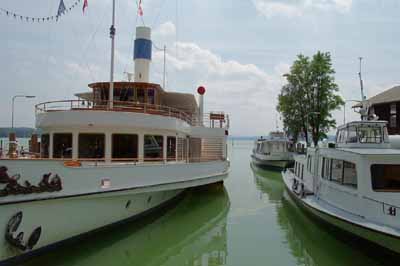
x=310 y=96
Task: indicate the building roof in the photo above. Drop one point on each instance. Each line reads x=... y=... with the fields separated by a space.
x=390 y=95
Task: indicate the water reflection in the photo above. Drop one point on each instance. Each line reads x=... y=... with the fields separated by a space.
x=310 y=242
x=192 y=233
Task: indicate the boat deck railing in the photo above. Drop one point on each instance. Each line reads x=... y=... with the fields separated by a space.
x=211 y=120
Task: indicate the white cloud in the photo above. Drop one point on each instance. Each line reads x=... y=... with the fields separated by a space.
x=166 y=29
x=294 y=8
x=244 y=91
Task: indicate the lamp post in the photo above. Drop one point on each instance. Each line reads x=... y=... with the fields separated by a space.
x=344 y=108
x=12 y=106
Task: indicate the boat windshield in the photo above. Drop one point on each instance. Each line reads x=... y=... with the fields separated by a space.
x=363 y=134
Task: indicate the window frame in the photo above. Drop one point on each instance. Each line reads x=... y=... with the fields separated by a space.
x=94 y=158
x=380 y=190
x=149 y=159
x=123 y=158
x=175 y=150
x=55 y=155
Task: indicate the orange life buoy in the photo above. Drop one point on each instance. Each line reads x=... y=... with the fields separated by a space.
x=72 y=164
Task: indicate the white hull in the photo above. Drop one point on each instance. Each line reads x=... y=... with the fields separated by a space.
x=355 y=226
x=83 y=205
x=277 y=161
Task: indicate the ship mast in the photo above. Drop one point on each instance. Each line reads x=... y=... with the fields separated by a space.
x=112 y=36
x=364 y=102
x=361 y=81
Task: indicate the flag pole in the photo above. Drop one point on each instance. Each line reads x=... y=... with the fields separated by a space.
x=112 y=35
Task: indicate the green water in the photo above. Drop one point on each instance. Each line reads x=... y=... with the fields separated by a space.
x=251 y=221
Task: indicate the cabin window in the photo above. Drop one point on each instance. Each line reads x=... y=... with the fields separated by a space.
x=349 y=174
x=151 y=99
x=370 y=135
x=352 y=135
x=182 y=150
x=302 y=171
x=324 y=168
x=337 y=170
x=393 y=109
x=62 y=145
x=125 y=94
x=91 y=146
x=140 y=95
x=153 y=148
x=339 y=136
x=44 y=145
x=385 y=177
x=393 y=120
x=171 y=148
x=125 y=146
x=322 y=173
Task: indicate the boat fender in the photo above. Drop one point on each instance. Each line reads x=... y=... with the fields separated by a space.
x=302 y=191
x=18 y=241
x=295 y=185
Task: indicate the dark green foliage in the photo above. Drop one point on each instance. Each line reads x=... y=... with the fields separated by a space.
x=310 y=96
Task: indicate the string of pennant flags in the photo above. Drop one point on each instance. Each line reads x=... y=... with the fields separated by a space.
x=62 y=10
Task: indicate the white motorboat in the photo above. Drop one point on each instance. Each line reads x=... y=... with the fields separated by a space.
x=354 y=186
x=275 y=151
x=118 y=152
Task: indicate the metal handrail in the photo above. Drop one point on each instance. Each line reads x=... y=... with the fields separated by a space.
x=212 y=119
x=71 y=105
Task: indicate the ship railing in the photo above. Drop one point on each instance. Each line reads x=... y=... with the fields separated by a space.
x=118 y=106
x=102 y=161
x=210 y=120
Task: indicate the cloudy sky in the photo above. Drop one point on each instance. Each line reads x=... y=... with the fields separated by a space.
x=237 y=49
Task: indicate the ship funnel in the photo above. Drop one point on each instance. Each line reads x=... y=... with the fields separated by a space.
x=142 y=54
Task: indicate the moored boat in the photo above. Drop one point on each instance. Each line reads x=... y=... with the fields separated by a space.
x=275 y=151
x=118 y=152
x=353 y=186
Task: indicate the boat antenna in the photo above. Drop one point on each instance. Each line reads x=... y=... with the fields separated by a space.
x=364 y=102
x=361 y=81
x=112 y=36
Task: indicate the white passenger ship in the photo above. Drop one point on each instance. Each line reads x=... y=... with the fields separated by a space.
x=275 y=151
x=354 y=186
x=119 y=151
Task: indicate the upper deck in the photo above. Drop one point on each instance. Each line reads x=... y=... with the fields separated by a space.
x=142 y=98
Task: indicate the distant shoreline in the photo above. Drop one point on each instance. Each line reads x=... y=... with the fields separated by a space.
x=21 y=132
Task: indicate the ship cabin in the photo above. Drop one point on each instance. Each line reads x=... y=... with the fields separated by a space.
x=363 y=134
x=144 y=123
x=360 y=176
x=276 y=142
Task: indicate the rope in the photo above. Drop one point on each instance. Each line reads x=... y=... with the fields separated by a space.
x=25 y=18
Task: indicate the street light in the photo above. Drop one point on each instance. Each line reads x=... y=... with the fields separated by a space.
x=12 y=106
x=344 y=109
